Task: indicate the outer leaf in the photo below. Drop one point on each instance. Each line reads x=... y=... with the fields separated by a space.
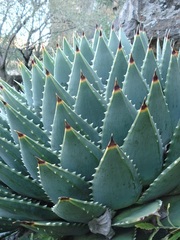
x=138 y=51
x=48 y=61
x=65 y=113
x=125 y=42
x=164 y=183
x=130 y=217
x=24 y=210
x=174 y=150
x=118 y=119
x=156 y=101
x=57 y=229
x=67 y=49
x=20 y=123
x=27 y=82
x=11 y=155
x=8 y=224
x=21 y=184
x=147 y=155
x=150 y=66
x=118 y=174
x=89 y=103
x=58 y=182
x=30 y=150
x=19 y=106
x=74 y=210
x=166 y=55
x=113 y=41
x=158 y=52
x=172 y=89
x=52 y=88
x=73 y=145
x=80 y=64
x=86 y=49
x=134 y=85
x=38 y=82
x=62 y=67
x=144 y=38
x=5 y=133
x=103 y=57
x=118 y=72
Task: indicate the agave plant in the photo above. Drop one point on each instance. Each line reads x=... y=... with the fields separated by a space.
x=89 y=147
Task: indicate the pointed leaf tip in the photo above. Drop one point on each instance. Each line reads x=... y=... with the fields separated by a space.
x=1 y=87
x=144 y=106
x=77 y=49
x=27 y=223
x=116 y=86
x=82 y=77
x=155 y=77
x=64 y=198
x=40 y=161
x=120 y=46
x=67 y=126
x=20 y=135
x=83 y=34
x=5 y=103
x=131 y=60
x=47 y=73
x=112 y=26
x=33 y=62
x=174 y=52
x=100 y=33
x=112 y=143
x=59 y=100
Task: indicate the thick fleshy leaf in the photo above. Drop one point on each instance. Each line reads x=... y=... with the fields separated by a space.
x=164 y=183
x=8 y=224
x=13 y=91
x=65 y=113
x=5 y=133
x=147 y=155
x=118 y=174
x=86 y=49
x=150 y=66
x=125 y=42
x=38 y=82
x=118 y=118
x=10 y=154
x=143 y=37
x=174 y=149
x=129 y=217
x=57 y=229
x=19 y=106
x=20 y=123
x=113 y=41
x=48 y=61
x=21 y=184
x=58 y=182
x=155 y=102
x=118 y=72
x=31 y=149
x=51 y=89
x=89 y=103
x=172 y=89
x=27 y=82
x=134 y=86
x=25 y=210
x=103 y=59
x=166 y=55
x=138 y=51
x=158 y=52
x=80 y=65
x=74 y=210
x=75 y=144
x=67 y=49
x=62 y=67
